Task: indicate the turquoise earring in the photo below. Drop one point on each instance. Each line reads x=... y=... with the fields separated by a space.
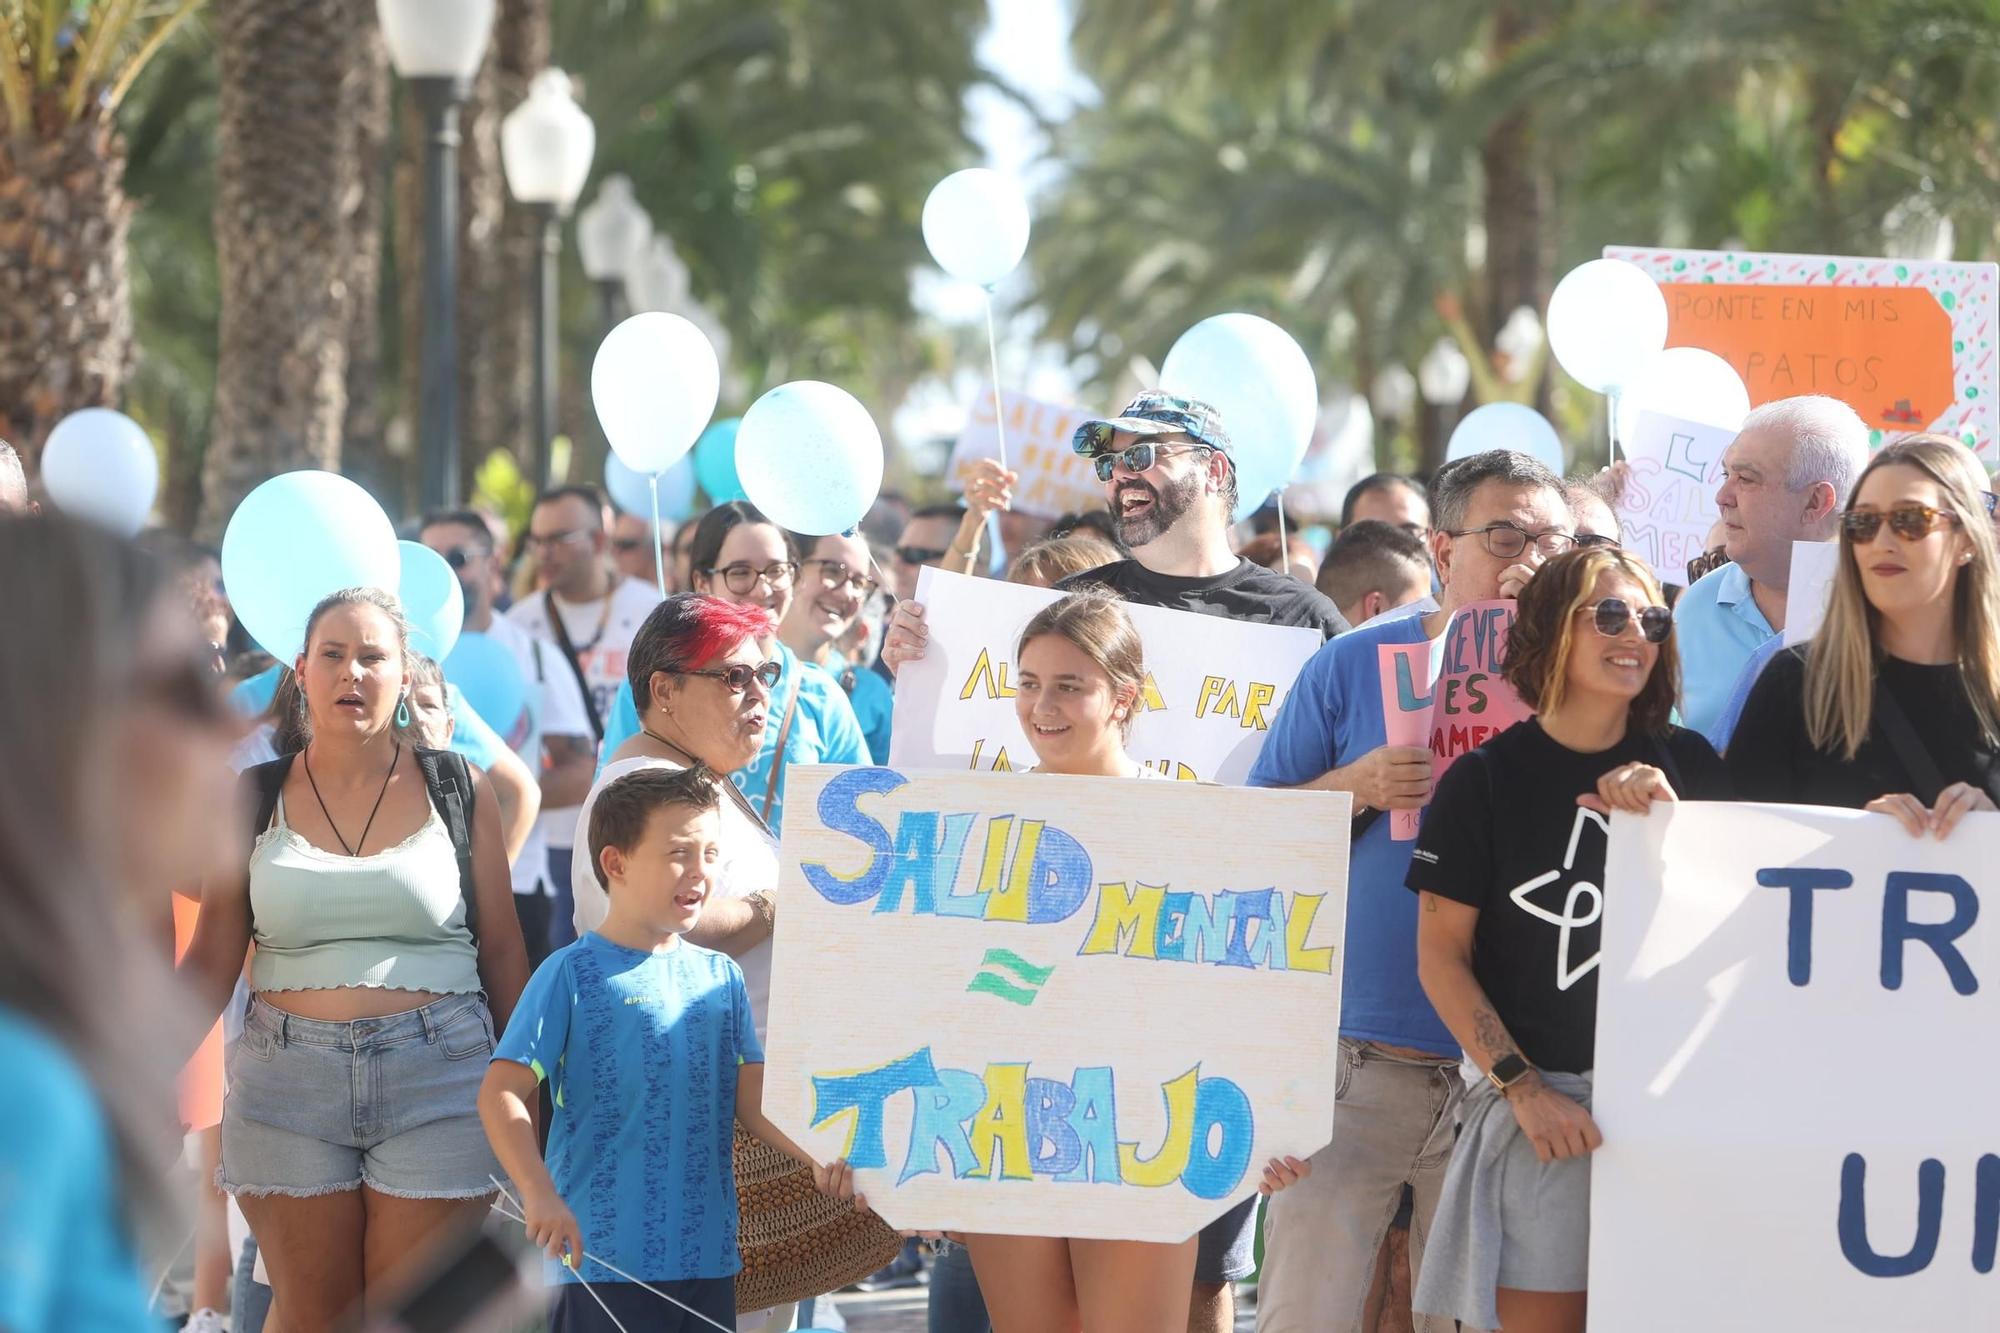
x=403 y=711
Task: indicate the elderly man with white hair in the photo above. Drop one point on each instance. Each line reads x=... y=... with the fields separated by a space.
x=1785 y=479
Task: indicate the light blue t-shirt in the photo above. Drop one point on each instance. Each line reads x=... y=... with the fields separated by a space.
x=824 y=732
x=874 y=702
x=641 y=1051
x=1717 y=627
x=1333 y=716
x=1739 y=694
x=66 y=1262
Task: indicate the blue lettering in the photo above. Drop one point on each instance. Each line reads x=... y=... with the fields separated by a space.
x=1408 y=700
x=1205 y=932
x=1268 y=949
x=1094 y=1121
x=1059 y=877
x=1985 y=1213
x=1798 y=940
x=939 y=1122
x=1218 y=1102
x=1169 y=936
x=1251 y=908
x=839 y=810
x=924 y=860
x=1054 y=1148
x=1854 y=1242
x=1898 y=929
x=865 y=1092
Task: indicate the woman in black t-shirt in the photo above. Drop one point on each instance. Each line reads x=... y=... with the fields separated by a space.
x=1509 y=866
x=1894 y=706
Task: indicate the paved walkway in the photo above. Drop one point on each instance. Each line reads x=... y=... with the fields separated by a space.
x=904 y=1312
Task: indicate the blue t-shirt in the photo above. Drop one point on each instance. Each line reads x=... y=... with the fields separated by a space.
x=1333 y=716
x=874 y=703
x=1718 y=629
x=66 y=1262
x=824 y=732
x=642 y=1052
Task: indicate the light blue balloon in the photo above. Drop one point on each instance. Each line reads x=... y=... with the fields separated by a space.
x=487 y=673
x=433 y=602
x=632 y=493
x=810 y=457
x=1513 y=426
x=252 y=697
x=293 y=540
x=715 y=462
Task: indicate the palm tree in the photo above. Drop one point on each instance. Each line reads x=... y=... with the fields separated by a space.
x=65 y=290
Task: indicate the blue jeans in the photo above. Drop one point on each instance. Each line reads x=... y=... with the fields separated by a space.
x=249 y=1299
x=956 y=1304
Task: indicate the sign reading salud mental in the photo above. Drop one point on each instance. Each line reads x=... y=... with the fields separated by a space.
x=1795 y=1074
x=1666 y=507
x=1909 y=344
x=1055 y=479
x=1040 y=1005
x=1211 y=691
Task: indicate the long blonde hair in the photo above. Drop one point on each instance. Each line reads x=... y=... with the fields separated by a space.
x=1842 y=660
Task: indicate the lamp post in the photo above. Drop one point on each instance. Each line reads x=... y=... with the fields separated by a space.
x=546 y=144
x=436 y=47
x=612 y=235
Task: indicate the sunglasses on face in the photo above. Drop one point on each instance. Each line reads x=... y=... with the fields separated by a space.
x=920 y=555
x=1613 y=616
x=737 y=678
x=1138 y=457
x=1911 y=522
x=741 y=577
x=1504 y=541
x=458 y=557
x=627 y=544
x=834 y=573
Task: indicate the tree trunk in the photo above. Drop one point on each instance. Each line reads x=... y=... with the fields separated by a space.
x=1520 y=255
x=364 y=433
x=294 y=77
x=65 y=290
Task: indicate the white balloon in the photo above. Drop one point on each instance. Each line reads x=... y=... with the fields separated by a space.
x=810 y=456
x=654 y=384
x=1258 y=378
x=976 y=225
x=1607 y=318
x=1513 y=426
x=99 y=465
x=1691 y=383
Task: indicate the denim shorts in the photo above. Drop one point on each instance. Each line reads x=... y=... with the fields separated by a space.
x=390 y=1103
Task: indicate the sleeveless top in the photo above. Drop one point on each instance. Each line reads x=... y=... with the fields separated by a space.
x=393 y=919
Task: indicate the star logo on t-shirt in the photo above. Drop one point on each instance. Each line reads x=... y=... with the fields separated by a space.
x=1581 y=892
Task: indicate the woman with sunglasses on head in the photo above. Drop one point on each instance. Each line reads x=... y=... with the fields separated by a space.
x=1894 y=706
x=377 y=894
x=1079 y=666
x=743 y=558
x=835 y=584
x=1508 y=867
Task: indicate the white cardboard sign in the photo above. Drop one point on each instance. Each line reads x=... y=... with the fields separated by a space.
x=1667 y=506
x=1212 y=686
x=1040 y=1005
x=1795 y=1074
x=1814 y=565
x=1055 y=479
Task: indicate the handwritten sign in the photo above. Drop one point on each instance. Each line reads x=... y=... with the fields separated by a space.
x=1211 y=690
x=1668 y=505
x=1908 y=344
x=1794 y=1074
x=1814 y=566
x=1055 y=479
x=1448 y=693
x=1039 y=1005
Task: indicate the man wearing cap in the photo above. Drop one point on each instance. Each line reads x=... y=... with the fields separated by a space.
x=1170 y=483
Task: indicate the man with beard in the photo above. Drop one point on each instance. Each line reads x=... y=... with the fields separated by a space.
x=1170 y=482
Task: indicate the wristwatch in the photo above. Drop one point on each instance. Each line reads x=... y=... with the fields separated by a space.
x=1507 y=1071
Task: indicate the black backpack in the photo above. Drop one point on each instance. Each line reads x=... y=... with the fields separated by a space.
x=446 y=777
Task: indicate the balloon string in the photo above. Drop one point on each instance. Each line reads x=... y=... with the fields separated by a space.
x=659 y=560
x=1284 y=546
x=993 y=357
x=1611 y=422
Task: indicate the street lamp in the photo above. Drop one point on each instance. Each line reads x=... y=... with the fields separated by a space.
x=436 y=47
x=545 y=148
x=612 y=235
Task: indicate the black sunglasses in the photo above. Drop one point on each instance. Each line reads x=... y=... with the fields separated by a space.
x=920 y=555
x=458 y=556
x=1138 y=457
x=1912 y=522
x=738 y=677
x=1613 y=616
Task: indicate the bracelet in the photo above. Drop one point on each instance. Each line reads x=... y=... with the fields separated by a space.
x=766 y=908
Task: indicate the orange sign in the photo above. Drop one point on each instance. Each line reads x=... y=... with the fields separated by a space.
x=1886 y=351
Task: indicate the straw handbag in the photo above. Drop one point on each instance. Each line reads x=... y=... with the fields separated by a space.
x=797 y=1242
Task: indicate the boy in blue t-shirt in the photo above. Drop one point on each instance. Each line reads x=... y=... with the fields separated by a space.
x=648 y=1043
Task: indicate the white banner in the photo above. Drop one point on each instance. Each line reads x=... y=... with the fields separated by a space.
x=1668 y=504
x=1056 y=1006
x=1212 y=685
x=1795 y=1075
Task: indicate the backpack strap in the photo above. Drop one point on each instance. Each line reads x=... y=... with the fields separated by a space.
x=448 y=779
x=1909 y=747
x=266 y=781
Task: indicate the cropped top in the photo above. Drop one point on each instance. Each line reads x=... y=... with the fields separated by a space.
x=393 y=919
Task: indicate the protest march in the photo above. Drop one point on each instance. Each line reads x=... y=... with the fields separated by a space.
x=1067 y=823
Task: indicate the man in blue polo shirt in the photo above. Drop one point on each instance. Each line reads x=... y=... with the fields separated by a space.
x=1785 y=479
x=1498 y=516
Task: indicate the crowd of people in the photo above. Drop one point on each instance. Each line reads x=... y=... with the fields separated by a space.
x=421 y=970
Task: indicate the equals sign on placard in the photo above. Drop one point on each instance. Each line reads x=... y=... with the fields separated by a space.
x=1004 y=973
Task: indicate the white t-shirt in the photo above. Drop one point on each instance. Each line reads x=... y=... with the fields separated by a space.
x=601 y=632
x=749 y=863
x=559 y=712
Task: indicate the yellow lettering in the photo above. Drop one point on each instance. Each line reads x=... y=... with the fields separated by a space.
x=1123 y=914
x=1149 y=696
x=1003 y=1124
x=1164 y=1167
x=1298 y=925
x=985 y=675
x=1253 y=712
x=1011 y=902
x=1211 y=686
x=995 y=859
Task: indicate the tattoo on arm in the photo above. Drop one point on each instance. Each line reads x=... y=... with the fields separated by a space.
x=1430 y=902
x=1492 y=1034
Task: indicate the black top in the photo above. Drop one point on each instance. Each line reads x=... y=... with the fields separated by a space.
x=1247 y=592
x=1771 y=758
x=1504 y=834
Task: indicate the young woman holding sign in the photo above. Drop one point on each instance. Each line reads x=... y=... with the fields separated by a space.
x=1079 y=666
x=1509 y=866
x=1894 y=706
